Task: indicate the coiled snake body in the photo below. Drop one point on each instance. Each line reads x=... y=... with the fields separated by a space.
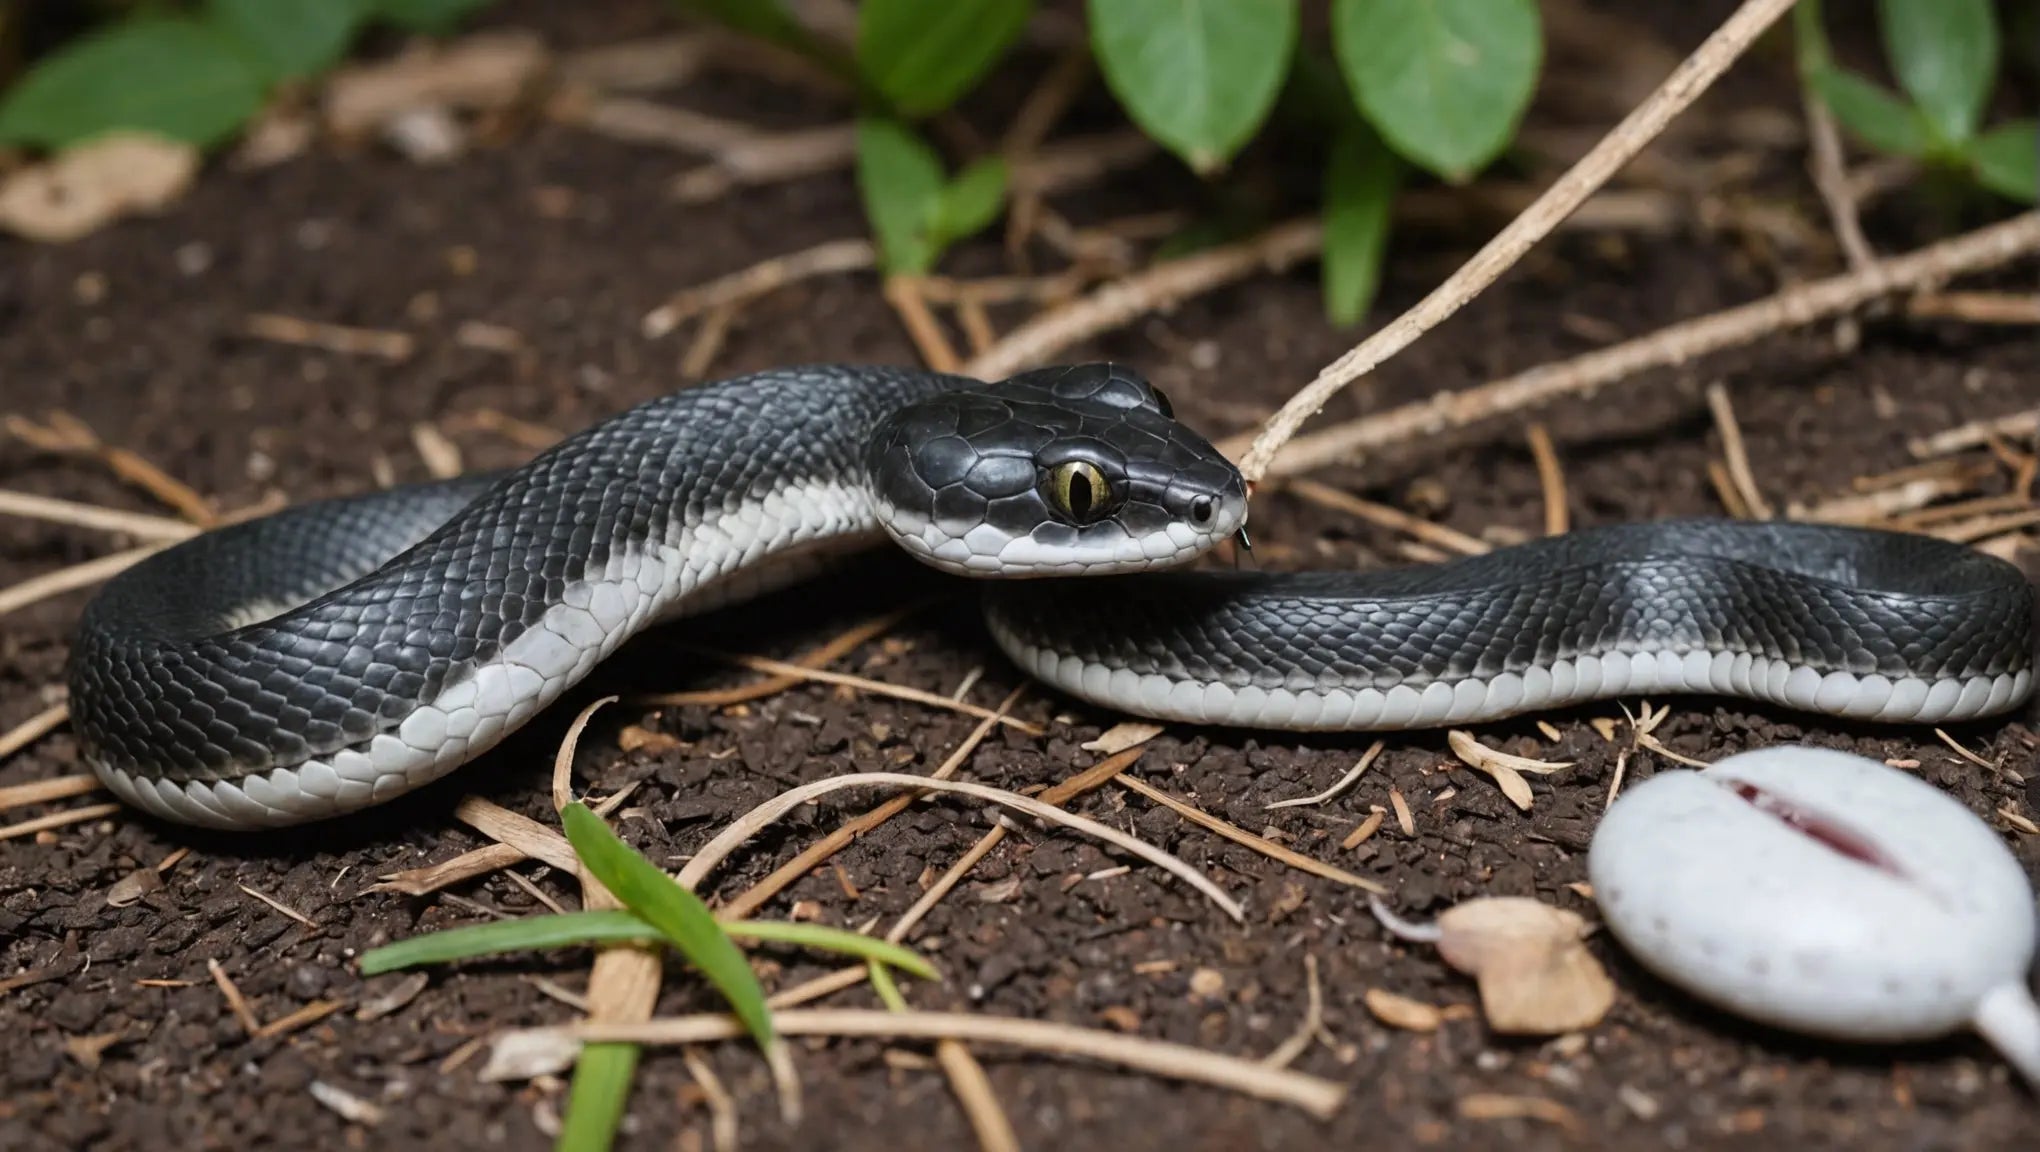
x=335 y=655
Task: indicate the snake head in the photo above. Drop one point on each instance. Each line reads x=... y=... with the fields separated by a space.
x=1078 y=470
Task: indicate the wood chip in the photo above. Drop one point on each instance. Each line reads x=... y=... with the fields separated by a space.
x=2018 y=820
x=441 y=456
x=1402 y=1012
x=133 y=887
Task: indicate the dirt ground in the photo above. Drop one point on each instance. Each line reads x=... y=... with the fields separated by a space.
x=567 y=239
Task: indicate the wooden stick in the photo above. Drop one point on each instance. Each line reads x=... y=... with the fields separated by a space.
x=1679 y=344
x=1638 y=129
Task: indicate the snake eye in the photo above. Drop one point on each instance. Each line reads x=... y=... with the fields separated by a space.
x=1200 y=510
x=1079 y=491
x=1162 y=402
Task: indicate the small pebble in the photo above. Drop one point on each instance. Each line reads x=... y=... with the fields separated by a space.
x=1824 y=892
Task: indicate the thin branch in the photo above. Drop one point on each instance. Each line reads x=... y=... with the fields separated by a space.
x=33 y=729
x=850 y=255
x=1113 y=305
x=140 y=525
x=1681 y=343
x=1734 y=454
x=1976 y=434
x=1685 y=84
x=764 y=814
x=1318 y=1097
x=70 y=579
x=1550 y=478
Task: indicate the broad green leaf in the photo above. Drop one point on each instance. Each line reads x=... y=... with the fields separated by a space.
x=900 y=179
x=1945 y=54
x=1445 y=81
x=291 y=38
x=2007 y=160
x=169 y=75
x=1197 y=75
x=923 y=55
x=434 y=17
x=602 y=1075
x=969 y=204
x=678 y=914
x=1361 y=180
x=1875 y=116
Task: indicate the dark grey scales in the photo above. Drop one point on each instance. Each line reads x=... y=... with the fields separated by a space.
x=337 y=654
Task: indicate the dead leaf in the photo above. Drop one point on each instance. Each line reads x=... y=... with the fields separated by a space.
x=1403 y=1012
x=1120 y=737
x=1535 y=975
x=1121 y=1017
x=93 y=184
x=1506 y=769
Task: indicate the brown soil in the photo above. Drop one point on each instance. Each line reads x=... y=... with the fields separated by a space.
x=138 y=331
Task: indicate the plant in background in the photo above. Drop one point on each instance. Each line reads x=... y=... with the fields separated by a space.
x=1945 y=55
x=196 y=73
x=1438 y=85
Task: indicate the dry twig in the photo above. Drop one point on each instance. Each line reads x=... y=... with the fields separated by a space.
x=1686 y=83
x=1681 y=343
x=1238 y=835
x=1318 y=1097
x=1736 y=456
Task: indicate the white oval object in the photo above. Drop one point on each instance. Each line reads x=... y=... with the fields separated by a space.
x=1824 y=892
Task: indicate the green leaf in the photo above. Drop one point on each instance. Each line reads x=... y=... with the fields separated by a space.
x=610 y=926
x=527 y=934
x=1361 y=180
x=1445 y=81
x=169 y=75
x=1875 y=116
x=602 y=1075
x=828 y=939
x=292 y=38
x=900 y=179
x=678 y=914
x=969 y=204
x=923 y=55
x=433 y=17
x=1197 y=75
x=2007 y=160
x=1945 y=54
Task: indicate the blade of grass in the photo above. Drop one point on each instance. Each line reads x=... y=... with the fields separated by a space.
x=601 y=1087
x=869 y=948
x=520 y=935
x=677 y=913
x=567 y=929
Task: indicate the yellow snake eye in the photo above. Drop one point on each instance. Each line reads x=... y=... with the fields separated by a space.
x=1078 y=491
